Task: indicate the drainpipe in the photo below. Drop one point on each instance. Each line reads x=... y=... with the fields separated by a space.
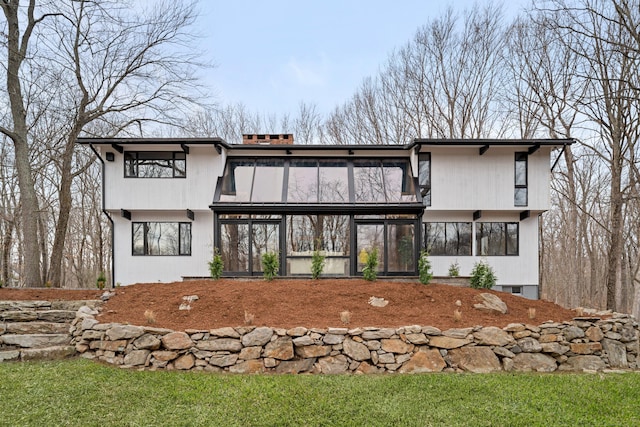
x=104 y=211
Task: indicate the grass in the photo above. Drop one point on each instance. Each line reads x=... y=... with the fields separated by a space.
x=83 y=393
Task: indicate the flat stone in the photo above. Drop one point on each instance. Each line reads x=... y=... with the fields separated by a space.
x=24 y=305
x=147 y=342
x=91 y=335
x=378 y=334
x=164 y=355
x=303 y=341
x=594 y=334
x=538 y=362
x=88 y=323
x=616 y=353
x=337 y=331
x=48 y=353
x=493 y=336
x=489 y=303
x=313 y=351
x=365 y=368
x=124 y=332
x=457 y=332
x=585 y=348
x=220 y=344
x=249 y=353
x=417 y=339
x=355 y=350
x=628 y=334
x=424 y=361
x=447 y=342
x=157 y=331
x=184 y=362
x=548 y=338
x=247 y=367
x=257 y=337
x=86 y=311
x=572 y=332
x=397 y=346
x=281 y=348
x=227 y=332
x=475 y=359
x=295 y=366
x=297 y=332
x=503 y=352
x=115 y=346
x=18 y=316
x=514 y=327
x=554 y=348
x=36 y=340
x=529 y=345
x=136 y=357
x=431 y=330
x=36 y=328
x=385 y=359
x=333 y=364
x=7 y=355
x=332 y=339
x=177 y=341
x=57 y=315
x=222 y=361
x=583 y=363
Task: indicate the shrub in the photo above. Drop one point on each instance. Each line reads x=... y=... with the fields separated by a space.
x=317 y=264
x=482 y=276
x=454 y=269
x=100 y=281
x=270 y=265
x=370 y=269
x=424 y=268
x=216 y=265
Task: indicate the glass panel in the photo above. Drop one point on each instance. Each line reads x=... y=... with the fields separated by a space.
x=234 y=242
x=332 y=266
x=162 y=238
x=521 y=173
x=458 y=238
x=512 y=239
x=155 y=165
x=267 y=183
x=300 y=235
x=398 y=182
x=434 y=237
x=234 y=216
x=401 y=247
x=237 y=180
x=491 y=240
x=424 y=170
x=264 y=238
x=334 y=181
x=520 y=197
x=370 y=236
x=180 y=165
x=303 y=182
x=138 y=238
x=368 y=181
x=130 y=165
x=185 y=239
x=335 y=235
x=327 y=233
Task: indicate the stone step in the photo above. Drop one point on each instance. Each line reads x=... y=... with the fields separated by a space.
x=65 y=316
x=34 y=340
x=55 y=352
x=9 y=355
x=35 y=328
x=24 y=305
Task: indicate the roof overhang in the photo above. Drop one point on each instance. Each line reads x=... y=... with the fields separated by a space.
x=312 y=208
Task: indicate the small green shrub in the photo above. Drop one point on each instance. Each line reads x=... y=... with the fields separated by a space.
x=216 y=266
x=482 y=276
x=317 y=264
x=454 y=269
x=270 y=265
x=370 y=269
x=424 y=268
x=100 y=281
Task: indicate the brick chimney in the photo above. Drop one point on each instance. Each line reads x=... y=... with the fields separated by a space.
x=268 y=139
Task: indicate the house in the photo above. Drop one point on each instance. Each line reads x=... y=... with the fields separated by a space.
x=171 y=201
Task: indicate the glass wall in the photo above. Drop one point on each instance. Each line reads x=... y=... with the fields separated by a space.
x=400 y=247
x=370 y=237
x=242 y=243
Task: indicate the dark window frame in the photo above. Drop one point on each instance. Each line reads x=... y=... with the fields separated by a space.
x=133 y=171
x=505 y=250
x=425 y=236
x=145 y=244
x=425 y=189
x=519 y=158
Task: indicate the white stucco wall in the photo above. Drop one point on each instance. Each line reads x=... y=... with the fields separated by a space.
x=130 y=269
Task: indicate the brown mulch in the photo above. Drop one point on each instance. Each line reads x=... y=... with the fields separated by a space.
x=310 y=303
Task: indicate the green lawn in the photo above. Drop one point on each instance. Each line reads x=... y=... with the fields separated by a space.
x=83 y=393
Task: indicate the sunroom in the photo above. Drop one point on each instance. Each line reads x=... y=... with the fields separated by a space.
x=342 y=207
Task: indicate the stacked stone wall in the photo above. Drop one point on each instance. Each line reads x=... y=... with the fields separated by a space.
x=579 y=345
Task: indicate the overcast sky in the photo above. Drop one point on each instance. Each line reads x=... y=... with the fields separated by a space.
x=271 y=55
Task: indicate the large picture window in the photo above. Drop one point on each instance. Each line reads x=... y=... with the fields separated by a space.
x=497 y=238
x=155 y=164
x=161 y=238
x=447 y=238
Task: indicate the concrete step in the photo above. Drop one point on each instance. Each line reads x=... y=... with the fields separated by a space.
x=34 y=340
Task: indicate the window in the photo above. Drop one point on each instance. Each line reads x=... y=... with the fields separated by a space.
x=161 y=238
x=248 y=180
x=497 y=238
x=155 y=164
x=447 y=238
x=521 y=192
x=424 y=177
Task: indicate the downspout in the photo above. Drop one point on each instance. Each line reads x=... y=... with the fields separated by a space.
x=104 y=211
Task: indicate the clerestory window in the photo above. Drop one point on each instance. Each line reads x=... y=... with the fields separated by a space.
x=155 y=164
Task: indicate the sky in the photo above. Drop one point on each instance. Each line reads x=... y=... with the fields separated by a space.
x=272 y=55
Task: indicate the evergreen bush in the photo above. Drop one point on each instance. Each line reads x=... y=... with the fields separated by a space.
x=454 y=269
x=424 y=268
x=317 y=264
x=482 y=276
x=216 y=266
x=370 y=269
x=270 y=265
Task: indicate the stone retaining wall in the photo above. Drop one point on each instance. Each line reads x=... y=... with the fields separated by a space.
x=583 y=344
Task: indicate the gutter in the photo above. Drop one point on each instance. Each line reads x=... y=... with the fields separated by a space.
x=104 y=211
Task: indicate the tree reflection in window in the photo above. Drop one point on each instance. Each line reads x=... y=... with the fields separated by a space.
x=155 y=164
x=161 y=238
x=334 y=181
x=447 y=238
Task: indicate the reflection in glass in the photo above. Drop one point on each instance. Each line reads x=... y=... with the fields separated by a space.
x=370 y=236
x=424 y=177
x=368 y=181
x=303 y=181
x=520 y=197
x=234 y=242
x=447 y=238
x=398 y=182
x=401 y=248
x=265 y=238
x=497 y=238
x=155 y=164
x=237 y=181
x=334 y=181
x=161 y=238
x=267 y=182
